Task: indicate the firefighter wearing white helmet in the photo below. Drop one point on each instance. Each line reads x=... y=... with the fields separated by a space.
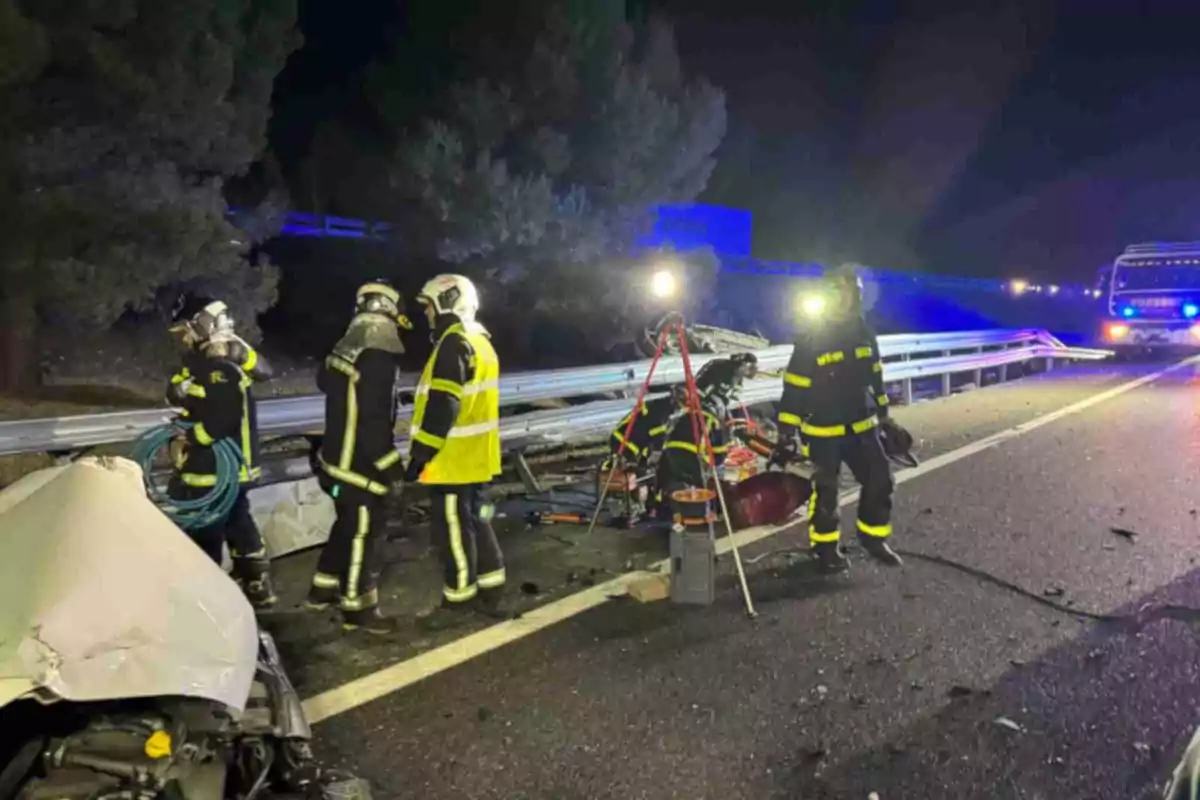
x=455 y=449
x=214 y=390
x=358 y=460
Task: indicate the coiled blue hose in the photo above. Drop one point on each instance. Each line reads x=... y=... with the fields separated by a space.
x=201 y=512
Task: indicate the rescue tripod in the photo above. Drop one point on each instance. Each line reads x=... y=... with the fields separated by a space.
x=673 y=325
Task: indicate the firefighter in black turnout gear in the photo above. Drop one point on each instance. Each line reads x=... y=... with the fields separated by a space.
x=682 y=453
x=725 y=376
x=833 y=402
x=650 y=425
x=214 y=389
x=358 y=460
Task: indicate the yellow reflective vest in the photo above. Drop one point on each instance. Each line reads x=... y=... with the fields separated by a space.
x=471 y=453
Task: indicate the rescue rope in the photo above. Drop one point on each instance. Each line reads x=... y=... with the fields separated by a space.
x=211 y=508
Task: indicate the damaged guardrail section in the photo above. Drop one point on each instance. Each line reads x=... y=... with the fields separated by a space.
x=906 y=356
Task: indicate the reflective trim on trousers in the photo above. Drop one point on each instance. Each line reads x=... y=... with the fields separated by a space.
x=357 y=548
x=876 y=531
x=462 y=590
x=368 y=600
x=323 y=580
x=492 y=580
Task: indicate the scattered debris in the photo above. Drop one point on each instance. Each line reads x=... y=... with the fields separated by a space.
x=1054 y=591
x=822 y=691
x=916 y=686
x=530 y=588
x=1142 y=748
x=1005 y=722
x=815 y=753
x=1125 y=533
x=962 y=691
x=926 y=510
x=483 y=714
x=1016 y=662
x=650 y=589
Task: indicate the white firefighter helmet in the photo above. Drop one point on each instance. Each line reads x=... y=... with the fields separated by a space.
x=200 y=319
x=451 y=294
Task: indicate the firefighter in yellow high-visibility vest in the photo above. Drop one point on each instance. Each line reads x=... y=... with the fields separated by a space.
x=455 y=449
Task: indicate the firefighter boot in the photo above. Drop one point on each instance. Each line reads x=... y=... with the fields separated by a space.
x=829 y=557
x=447 y=615
x=369 y=620
x=253 y=574
x=490 y=603
x=879 y=550
x=321 y=597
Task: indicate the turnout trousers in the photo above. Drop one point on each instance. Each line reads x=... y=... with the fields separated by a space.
x=466 y=543
x=238 y=530
x=348 y=562
x=863 y=454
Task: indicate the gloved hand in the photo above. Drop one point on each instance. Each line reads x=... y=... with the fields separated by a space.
x=786 y=451
x=178 y=452
x=412 y=472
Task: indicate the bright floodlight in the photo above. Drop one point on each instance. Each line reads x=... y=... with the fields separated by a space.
x=663 y=284
x=1018 y=286
x=1053 y=289
x=812 y=305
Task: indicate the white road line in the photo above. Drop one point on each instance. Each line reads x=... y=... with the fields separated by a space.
x=401 y=675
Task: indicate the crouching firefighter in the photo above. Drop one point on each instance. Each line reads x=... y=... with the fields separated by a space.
x=834 y=399
x=358 y=460
x=214 y=388
x=725 y=376
x=455 y=450
x=650 y=426
x=682 y=454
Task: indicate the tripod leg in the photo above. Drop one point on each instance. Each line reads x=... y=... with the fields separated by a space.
x=603 y=494
x=700 y=426
x=737 y=556
x=637 y=406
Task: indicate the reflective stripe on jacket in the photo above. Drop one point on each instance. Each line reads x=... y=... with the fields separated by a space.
x=470 y=452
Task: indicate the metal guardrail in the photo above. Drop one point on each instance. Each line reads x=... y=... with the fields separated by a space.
x=907 y=357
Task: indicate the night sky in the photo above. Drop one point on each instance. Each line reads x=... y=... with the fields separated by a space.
x=1017 y=138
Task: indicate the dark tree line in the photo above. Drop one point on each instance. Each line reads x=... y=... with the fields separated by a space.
x=126 y=121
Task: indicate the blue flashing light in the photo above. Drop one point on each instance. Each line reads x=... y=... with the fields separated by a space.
x=1127 y=312
x=1190 y=310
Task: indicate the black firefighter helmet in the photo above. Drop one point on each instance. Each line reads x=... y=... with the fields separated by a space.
x=380 y=297
x=723 y=376
x=846 y=280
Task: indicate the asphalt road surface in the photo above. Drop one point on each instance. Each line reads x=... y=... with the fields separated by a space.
x=923 y=683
